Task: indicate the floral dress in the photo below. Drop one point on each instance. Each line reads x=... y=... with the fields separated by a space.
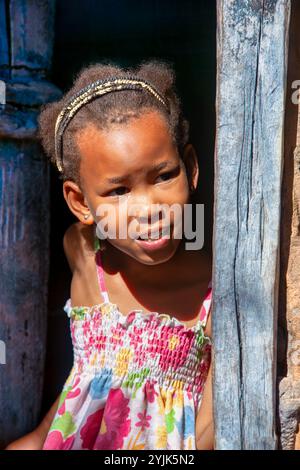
x=136 y=381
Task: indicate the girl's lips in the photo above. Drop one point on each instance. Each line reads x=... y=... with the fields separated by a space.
x=155 y=245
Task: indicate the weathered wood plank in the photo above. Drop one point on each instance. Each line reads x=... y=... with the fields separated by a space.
x=32 y=34
x=24 y=220
x=251 y=85
x=24 y=244
x=4 y=53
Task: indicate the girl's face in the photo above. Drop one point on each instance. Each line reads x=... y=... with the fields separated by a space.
x=126 y=172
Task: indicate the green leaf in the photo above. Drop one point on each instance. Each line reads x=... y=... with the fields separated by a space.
x=170 y=420
x=65 y=424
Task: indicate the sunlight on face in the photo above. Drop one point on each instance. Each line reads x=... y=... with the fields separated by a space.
x=133 y=165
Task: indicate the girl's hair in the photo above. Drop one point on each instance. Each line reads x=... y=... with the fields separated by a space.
x=112 y=108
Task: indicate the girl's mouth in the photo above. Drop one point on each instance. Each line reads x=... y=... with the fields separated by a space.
x=153 y=242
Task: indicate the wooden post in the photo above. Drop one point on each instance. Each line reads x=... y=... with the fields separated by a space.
x=26 y=32
x=252 y=39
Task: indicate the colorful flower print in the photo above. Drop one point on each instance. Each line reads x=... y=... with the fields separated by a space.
x=101 y=384
x=115 y=422
x=70 y=392
x=91 y=428
x=186 y=424
x=55 y=441
x=149 y=390
x=144 y=420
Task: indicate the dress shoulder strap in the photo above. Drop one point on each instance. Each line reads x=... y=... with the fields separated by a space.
x=206 y=305
x=99 y=268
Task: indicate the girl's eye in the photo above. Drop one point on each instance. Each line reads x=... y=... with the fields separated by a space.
x=168 y=175
x=118 y=191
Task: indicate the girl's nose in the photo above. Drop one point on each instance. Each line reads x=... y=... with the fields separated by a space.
x=145 y=209
x=153 y=216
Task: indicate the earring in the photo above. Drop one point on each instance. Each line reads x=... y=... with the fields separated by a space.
x=86 y=216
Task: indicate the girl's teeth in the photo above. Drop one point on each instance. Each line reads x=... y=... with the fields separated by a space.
x=152 y=239
x=155 y=237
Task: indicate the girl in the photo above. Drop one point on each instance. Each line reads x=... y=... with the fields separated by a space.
x=139 y=306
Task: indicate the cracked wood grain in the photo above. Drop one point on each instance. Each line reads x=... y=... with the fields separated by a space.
x=252 y=39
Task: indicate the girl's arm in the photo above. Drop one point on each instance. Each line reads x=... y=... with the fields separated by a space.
x=35 y=439
x=204 y=420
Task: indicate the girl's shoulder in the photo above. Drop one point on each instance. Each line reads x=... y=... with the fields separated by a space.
x=78 y=244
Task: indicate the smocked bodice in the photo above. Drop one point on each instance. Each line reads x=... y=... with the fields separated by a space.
x=153 y=345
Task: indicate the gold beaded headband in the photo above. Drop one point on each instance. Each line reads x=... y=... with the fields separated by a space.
x=87 y=94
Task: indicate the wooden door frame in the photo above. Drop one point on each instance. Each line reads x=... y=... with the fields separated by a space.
x=252 y=50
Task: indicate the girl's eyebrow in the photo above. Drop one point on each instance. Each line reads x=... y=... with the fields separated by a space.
x=121 y=179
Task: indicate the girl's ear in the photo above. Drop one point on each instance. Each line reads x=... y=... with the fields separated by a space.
x=190 y=161
x=77 y=202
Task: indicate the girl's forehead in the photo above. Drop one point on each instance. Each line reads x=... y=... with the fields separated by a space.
x=139 y=142
x=145 y=125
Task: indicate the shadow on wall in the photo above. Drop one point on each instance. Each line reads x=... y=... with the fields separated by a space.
x=128 y=32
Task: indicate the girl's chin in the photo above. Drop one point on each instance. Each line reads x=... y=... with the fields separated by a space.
x=152 y=257
x=148 y=255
